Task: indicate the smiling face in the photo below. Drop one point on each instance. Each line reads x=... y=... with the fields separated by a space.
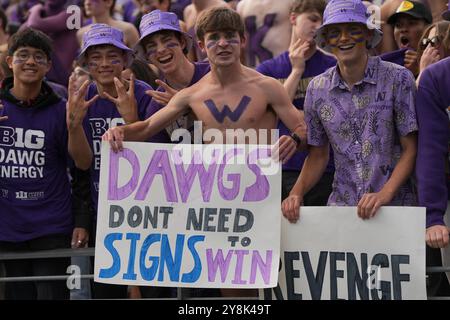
x=407 y=31
x=105 y=62
x=164 y=49
x=29 y=65
x=222 y=47
x=347 y=41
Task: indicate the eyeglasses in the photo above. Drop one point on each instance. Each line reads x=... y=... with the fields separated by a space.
x=23 y=56
x=435 y=41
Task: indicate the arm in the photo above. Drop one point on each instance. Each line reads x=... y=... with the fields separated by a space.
x=313 y=169
x=143 y=130
x=432 y=156
x=405 y=120
x=133 y=35
x=297 y=52
x=293 y=118
x=81 y=207
x=371 y=202
x=387 y=43
x=50 y=24
x=78 y=146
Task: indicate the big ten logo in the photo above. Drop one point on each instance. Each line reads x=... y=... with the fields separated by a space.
x=20 y=138
x=100 y=125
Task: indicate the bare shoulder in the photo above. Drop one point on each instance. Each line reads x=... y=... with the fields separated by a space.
x=80 y=33
x=241 y=5
x=263 y=81
x=124 y=26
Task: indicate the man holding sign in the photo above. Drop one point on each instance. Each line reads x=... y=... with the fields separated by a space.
x=364 y=108
x=231 y=96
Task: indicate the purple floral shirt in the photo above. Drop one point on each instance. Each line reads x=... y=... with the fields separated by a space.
x=363 y=126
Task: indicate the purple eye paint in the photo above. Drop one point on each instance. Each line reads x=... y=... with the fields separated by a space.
x=211 y=44
x=115 y=62
x=172 y=45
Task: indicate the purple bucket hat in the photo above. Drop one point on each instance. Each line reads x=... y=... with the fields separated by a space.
x=156 y=21
x=100 y=34
x=446 y=14
x=346 y=11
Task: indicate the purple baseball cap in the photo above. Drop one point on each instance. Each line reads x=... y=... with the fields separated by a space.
x=346 y=11
x=446 y=14
x=101 y=34
x=158 y=20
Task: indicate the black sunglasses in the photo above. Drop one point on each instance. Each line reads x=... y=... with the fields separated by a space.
x=435 y=41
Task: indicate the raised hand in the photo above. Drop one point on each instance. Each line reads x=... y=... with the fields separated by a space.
x=162 y=98
x=297 y=54
x=76 y=103
x=430 y=55
x=411 y=62
x=125 y=102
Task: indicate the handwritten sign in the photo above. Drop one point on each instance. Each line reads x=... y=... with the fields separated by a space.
x=189 y=216
x=332 y=254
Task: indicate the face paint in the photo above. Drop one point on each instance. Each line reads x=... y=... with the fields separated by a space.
x=230 y=42
x=211 y=44
x=116 y=62
x=92 y=64
x=355 y=34
x=226 y=111
x=172 y=45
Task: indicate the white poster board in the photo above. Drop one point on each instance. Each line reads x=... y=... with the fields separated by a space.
x=330 y=253
x=209 y=218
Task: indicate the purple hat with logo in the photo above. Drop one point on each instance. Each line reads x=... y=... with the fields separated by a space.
x=346 y=11
x=156 y=21
x=101 y=34
x=446 y=14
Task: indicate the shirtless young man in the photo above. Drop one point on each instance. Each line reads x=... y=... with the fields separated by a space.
x=268 y=28
x=101 y=11
x=231 y=96
x=254 y=101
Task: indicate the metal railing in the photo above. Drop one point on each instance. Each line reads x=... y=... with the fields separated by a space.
x=182 y=294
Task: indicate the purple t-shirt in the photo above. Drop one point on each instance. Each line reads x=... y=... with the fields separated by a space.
x=102 y=115
x=34 y=184
x=363 y=126
x=178 y=6
x=186 y=121
x=397 y=56
x=433 y=101
x=280 y=68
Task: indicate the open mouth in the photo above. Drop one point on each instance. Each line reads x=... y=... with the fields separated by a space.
x=404 y=42
x=30 y=71
x=224 y=53
x=165 y=59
